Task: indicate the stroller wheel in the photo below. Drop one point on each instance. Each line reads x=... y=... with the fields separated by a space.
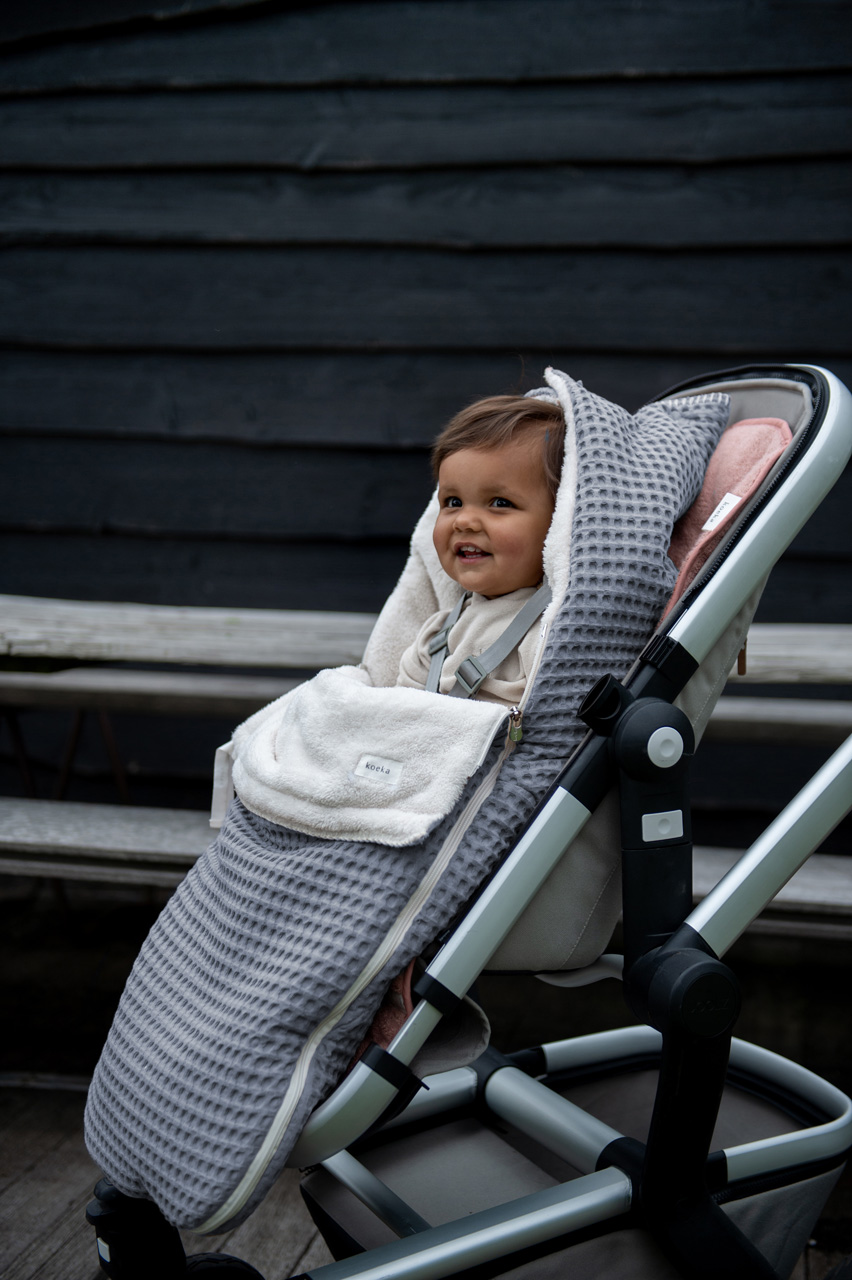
x=221 y=1266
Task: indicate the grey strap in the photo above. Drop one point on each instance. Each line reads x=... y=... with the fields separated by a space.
x=472 y=671
x=439 y=646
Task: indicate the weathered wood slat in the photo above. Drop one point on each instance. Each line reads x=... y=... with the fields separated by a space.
x=339 y=398
x=485 y=39
x=157 y=846
x=774 y=720
x=150 y=692
x=131 y=872
x=44 y=628
x=298 y=575
x=103 y=832
x=32 y=628
x=114 y=844
x=311 y=129
x=560 y=206
x=823 y=886
x=786 y=653
x=764 y=720
x=238 y=298
x=127 y=486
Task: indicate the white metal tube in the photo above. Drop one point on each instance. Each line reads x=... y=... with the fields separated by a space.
x=463 y=957
x=785 y=1150
x=492 y=1233
x=560 y=1126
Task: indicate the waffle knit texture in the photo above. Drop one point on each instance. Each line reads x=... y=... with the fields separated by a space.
x=265 y=969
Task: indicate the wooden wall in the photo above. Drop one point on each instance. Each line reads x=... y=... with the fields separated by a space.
x=254 y=254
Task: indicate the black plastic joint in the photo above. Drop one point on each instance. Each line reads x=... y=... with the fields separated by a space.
x=626 y=1154
x=635 y=735
x=435 y=993
x=392 y=1070
x=487 y=1064
x=684 y=990
x=669 y=657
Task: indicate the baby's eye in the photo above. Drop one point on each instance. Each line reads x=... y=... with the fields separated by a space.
x=501 y=502
x=452 y=502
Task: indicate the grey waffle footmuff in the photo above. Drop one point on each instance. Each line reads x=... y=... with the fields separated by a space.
x=263 y=974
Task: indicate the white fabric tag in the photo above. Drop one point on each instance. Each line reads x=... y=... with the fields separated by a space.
x=378 y=769
x=223 y=784
x=727 y=504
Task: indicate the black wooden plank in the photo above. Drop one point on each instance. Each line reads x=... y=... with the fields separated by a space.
x=369 y=128
x=347 y=398
x=440 y=39
x=789 y=301
x=303 y=575
x=117 y=487
x=62 y=17
x=828 y=533
x=807 y=589
x=344 y=398
x=787 y=202
x=260 y=575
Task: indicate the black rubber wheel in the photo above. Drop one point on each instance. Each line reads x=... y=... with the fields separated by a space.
x=221 y=1266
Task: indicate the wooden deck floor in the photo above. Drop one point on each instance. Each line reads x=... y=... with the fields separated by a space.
x=47 y=1176
x=46 y=1180
x=64 y=958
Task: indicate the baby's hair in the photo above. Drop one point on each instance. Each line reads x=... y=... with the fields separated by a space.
x=495 y=421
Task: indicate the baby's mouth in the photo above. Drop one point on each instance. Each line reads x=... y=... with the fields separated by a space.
x=467 y=551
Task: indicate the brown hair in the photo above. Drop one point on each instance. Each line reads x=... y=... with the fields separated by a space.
x=493 y=422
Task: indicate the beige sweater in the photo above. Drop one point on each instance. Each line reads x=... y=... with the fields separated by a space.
x=482 y=622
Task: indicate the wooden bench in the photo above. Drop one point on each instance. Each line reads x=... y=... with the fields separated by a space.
x=55 y=633
x=129 y=845
x=125 y=845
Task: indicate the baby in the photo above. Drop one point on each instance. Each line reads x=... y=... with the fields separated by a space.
x=497 y=464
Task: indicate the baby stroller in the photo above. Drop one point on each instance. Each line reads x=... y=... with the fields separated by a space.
x=667 y=1149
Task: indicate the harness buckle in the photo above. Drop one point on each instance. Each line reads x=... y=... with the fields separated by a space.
x=470 y=675
x=438 y=641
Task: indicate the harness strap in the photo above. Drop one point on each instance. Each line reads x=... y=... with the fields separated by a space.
x=472 y=671
x=439 y=646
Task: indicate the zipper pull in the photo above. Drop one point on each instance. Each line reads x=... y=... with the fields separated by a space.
x=516 y=733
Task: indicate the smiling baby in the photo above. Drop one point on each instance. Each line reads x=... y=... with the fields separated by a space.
x=497 y=464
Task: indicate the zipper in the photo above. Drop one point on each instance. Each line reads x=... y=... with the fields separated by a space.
x=251 y=1178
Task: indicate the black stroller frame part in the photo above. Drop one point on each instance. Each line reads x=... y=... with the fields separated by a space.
x=671 y=1185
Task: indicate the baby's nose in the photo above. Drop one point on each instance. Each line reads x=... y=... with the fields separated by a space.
x=467 y=518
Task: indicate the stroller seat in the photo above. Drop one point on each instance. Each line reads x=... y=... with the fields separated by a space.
x=642 y=1151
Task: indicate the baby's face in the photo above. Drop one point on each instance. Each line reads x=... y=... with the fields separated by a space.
x=495 y=513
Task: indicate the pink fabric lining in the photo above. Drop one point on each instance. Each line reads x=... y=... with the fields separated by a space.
x=740 y=463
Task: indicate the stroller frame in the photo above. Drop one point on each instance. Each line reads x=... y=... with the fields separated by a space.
x=674 y=977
